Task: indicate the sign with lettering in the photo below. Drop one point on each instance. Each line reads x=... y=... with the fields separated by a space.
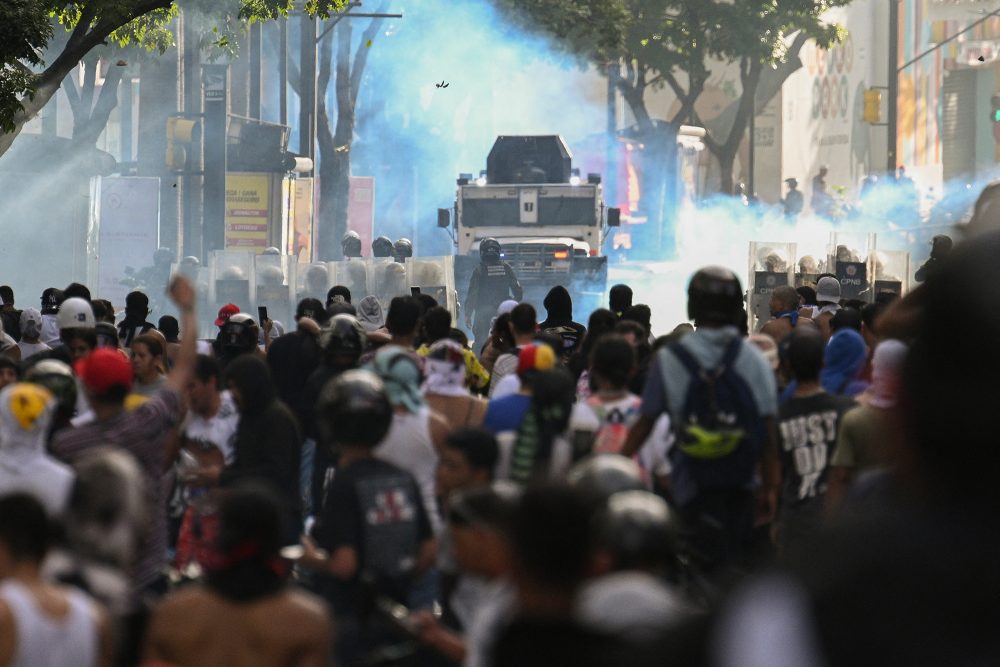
x=853 y=277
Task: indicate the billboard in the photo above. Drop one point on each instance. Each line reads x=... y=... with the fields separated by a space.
x=247 y=210
x=128 y=231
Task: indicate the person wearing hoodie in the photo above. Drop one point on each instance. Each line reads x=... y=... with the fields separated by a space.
x=267 y=446
x=620 y=299
x=134 y=324
x=559 y=321
x=370 y=314
x=26 y=412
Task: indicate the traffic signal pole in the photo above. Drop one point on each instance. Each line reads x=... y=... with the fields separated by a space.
x=215 y=79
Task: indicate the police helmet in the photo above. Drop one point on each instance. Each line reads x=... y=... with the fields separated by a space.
x=163 y=256
x=233 y=273
x=343 y=337
x=351 y=244
x=190 y=260
x=637 y=529
x=403 y=248
x=271 y=250
x=602 y=475
x=715 y=294
x=382 y=247
x=353 y=409
x=489 y=249
x=270 y=275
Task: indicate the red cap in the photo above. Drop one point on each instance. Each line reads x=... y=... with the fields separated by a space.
x=535 y=358
x=225 y=313
x=103 y=369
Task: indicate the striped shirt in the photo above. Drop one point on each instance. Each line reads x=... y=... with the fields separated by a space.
x=142 y=432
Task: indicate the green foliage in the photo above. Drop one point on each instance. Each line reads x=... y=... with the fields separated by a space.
x=24 y=27
x=26 y=30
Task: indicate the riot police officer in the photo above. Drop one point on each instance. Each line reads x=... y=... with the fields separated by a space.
x=492 y=283
x=402 y=249
x=350 y=245
x=382 y=247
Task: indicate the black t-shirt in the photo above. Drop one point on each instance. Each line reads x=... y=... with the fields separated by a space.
x=292 y=358
x=376 y=508
x=808 y=429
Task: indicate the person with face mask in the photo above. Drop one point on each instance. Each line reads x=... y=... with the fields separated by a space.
x=31 y=331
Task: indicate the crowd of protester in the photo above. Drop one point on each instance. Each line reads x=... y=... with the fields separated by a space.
x=370 y=489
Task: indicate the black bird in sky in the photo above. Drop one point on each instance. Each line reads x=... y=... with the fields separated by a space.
x=442 y=84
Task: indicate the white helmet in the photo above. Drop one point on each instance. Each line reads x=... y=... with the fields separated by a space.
x=75 y=313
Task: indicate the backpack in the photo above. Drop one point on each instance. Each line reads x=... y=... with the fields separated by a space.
x=719 y=434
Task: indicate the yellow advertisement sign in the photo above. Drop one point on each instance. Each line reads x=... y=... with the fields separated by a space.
x=247 y=207
x=300 y=236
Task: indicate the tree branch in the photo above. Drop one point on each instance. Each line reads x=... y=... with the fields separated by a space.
x=106 y=103
x=361 y=55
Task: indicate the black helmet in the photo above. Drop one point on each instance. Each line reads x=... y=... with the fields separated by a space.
x=343 y=337
x=403 y=248
x=715 y=294
x=351 y=244
x=239 y=333
x=602 y=475
x=637 y=529
x=382 y=247
x=489 y=250
x=353 y=409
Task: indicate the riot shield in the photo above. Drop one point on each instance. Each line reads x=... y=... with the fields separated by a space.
x=435 y=276
x=771 y=266
x=313 y=281
x=275 y=286
x=851 y=258
x=231 y=275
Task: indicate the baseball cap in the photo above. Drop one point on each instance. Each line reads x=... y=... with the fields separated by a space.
x=225 y=313
x=311 y=308
x=828 y=290
x=535 y=358
x=103 y=369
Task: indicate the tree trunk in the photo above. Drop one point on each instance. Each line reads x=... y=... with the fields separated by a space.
x=727 y=159
x=335 y=164
x=725 y=151
x=335 y=148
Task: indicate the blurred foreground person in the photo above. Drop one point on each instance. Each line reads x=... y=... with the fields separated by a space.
x=41 y=624
x=372 y=537
x=245 y=613
x=908 y=573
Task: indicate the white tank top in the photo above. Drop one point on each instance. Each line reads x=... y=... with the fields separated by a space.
x=47 y=642
x=408 y=446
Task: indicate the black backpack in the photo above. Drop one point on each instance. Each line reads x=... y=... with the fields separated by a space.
x=719 y=433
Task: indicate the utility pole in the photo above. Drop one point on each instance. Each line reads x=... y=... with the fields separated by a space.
x=255 y=70
x=216 y=99
x=307 y=88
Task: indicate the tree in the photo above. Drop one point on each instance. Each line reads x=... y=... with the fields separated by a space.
x=25 y=33
x=675 y=42
x=335 y=137
x=762 y=36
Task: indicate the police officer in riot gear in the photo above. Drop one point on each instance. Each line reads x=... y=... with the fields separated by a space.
x=402 y=249
x=350 y=245
x=382 y=247
x=492 y=283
